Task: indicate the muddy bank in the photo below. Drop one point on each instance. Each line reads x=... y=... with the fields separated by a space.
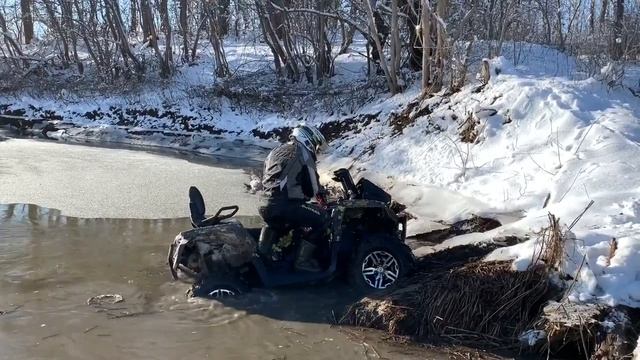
x=457 y=298
x=475 y=224
x=168 y=120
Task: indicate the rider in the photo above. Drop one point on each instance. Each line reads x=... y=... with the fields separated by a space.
x=290 y=180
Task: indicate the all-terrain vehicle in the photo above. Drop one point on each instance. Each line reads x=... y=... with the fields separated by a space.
x=365 y=242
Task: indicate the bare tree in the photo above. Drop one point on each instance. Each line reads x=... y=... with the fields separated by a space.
x=426 y=14
x=222 y=68
x=184 y=28
x=618 y=36
x=390 y=74
x=133 y=9
x=147 y=18
x=27 y=20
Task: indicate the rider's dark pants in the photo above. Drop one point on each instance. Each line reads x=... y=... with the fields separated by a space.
x=298 y=214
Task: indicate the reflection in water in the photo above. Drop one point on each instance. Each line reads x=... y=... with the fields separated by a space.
x=51 y=264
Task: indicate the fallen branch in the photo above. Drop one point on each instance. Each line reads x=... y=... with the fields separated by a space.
x=575 y=221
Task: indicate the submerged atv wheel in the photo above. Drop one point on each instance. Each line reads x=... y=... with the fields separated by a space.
x=218 y=288
x=379 y=263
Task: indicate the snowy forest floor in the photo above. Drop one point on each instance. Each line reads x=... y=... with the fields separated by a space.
x=545 y=135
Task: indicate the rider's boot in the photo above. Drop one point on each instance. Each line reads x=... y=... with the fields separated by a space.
x=305 y=260
x=265 y=243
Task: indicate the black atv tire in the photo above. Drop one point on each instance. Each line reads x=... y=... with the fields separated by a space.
x=379 y=262
x=218 y=287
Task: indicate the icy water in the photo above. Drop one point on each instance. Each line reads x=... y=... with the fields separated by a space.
x=89 y=181
x=51 y=264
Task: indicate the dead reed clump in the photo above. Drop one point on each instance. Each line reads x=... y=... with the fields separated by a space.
x=570 y=327
x=552 y=245
x=477 y=303
x=469 y=129
x=480 y=303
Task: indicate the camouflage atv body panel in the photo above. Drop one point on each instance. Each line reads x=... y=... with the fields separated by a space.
x=221 y=246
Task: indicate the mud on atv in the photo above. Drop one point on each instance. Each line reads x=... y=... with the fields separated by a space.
x=365 y=243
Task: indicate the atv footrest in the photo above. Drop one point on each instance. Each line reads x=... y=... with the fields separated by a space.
x=279 y=277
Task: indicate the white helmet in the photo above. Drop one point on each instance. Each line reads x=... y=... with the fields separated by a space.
x=310 y=137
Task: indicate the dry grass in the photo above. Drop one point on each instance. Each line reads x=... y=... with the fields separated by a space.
x=469 y=129
x=481 y=303
x=484 y=304
x=552 y=244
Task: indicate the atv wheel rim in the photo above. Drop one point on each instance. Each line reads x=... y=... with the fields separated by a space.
x=222 y=293
x=380 y=269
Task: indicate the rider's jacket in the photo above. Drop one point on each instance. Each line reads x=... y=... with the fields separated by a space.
x=290 y=173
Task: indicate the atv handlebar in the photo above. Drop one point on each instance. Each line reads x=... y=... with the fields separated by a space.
x=321 y=198
x=343 y=176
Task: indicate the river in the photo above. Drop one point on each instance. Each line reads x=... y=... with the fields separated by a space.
x=118 y=211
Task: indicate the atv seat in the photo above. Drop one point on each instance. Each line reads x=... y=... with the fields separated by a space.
x=198 y=210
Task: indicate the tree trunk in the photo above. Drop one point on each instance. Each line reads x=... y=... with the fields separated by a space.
x=322 y=46
x=278 y=38
x=547 y=21
x=561 y=40
x=603 y=11
x=223 y=17
x=148 y=27
x=443 y=45
x=458 y=80
x=113 y=13
x=347 y=32
x=196 y=40
x=70 y=31
x=168 y=50
x=278 y=56
x=27 y=20
x=164 y=15
x=413 y=29
x=426 y=47
x=133 y=8
x=618 y=36
x=184 y=29
x=392 y=81
x=58 y=28
x=395 y=39
x=592 y=17
x=10 y=42
x=222 y=68
x=98 y=61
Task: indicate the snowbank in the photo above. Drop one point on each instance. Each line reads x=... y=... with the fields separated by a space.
x=539 y=136
x=194 y=100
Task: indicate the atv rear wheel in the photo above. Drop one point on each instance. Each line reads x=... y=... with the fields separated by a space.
x=218 y=287
x=378 y=264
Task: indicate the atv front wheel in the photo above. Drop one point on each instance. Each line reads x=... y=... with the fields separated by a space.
x=218 y=287
x=379 y=262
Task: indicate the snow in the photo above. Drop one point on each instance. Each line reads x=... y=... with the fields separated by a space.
x=531 y=337
x=636 y=352
x=541 y=132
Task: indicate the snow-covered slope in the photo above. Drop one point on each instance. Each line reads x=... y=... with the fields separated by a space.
x=539 y=135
